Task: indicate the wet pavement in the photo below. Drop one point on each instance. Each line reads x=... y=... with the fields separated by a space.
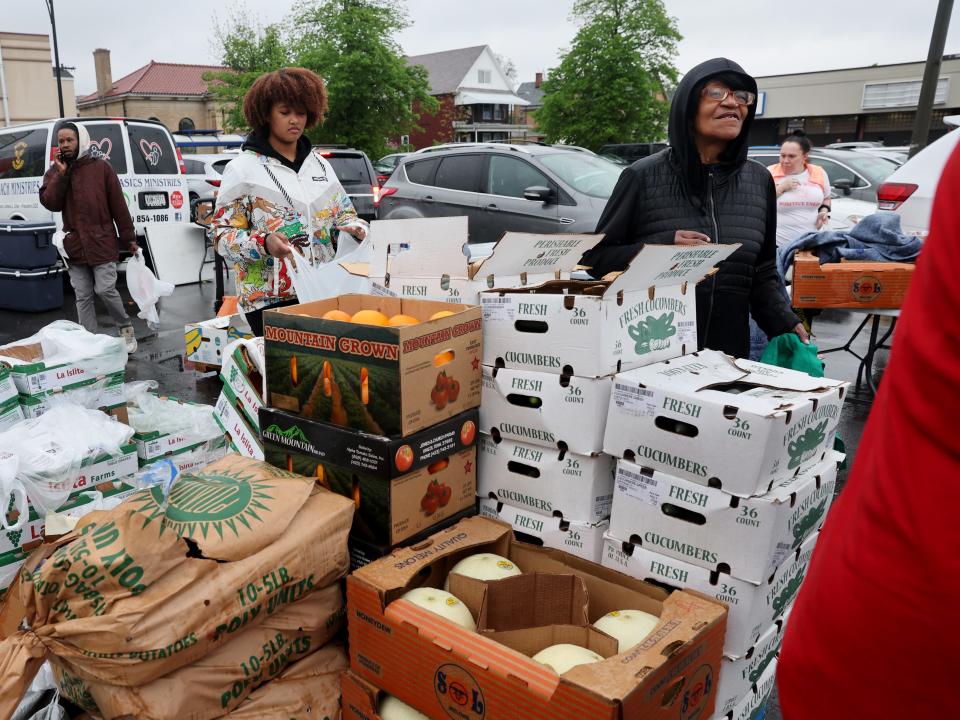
x=160 y=356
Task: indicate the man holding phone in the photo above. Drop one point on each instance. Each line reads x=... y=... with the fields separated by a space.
x=95 y=221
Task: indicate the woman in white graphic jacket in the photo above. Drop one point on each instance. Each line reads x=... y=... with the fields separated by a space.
x=279 y=194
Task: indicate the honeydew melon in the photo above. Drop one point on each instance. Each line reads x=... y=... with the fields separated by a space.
x=443 y=604
x=483 y=566
x=563 y=657
x=629 y=627
x=393 y=709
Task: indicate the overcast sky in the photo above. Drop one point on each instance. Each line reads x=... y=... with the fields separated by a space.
x=765 y=36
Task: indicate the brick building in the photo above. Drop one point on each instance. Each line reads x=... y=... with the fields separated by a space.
x=28 y=80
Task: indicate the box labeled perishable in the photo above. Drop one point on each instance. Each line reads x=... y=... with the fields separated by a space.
x=545 y=480
x=849 y=284
x=205 y=341
x=401 y=486
x=35 y=371
x=753 y=606
x=423 y=258
x=752 y=705
x=390 y=381
x=737 y=677
x=544 y=409
x=593 y=328
x=245 y=381
x=443 y=669
x=707 y=527
x=735 y=424
x=582 y=539
x=233 y=421
x=105 y=392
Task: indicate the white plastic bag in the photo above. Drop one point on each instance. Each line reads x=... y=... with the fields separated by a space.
x=63 y=342
x=146 y=289
x=319 y=282
x=150 y=413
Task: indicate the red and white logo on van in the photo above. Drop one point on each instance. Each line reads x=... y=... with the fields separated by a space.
x=176 y=199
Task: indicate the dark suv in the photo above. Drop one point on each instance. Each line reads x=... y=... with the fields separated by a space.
x=501 y=187
x=355 y=172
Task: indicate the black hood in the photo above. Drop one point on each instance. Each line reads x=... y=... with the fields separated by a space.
x=258 y=142
x=683 y=111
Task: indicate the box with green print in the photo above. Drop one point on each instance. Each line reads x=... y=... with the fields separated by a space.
x=10 y=413
x=39 y=364
x=749 y=537
x=738 y=675
x=388 y=381
x=401 y=486
x=594 y=328
x=105 y=392
x=754 y=607
x=709 y=418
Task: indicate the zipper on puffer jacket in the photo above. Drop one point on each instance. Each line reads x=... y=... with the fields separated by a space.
x=716 y=238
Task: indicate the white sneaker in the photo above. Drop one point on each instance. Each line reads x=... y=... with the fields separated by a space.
x=129 y=338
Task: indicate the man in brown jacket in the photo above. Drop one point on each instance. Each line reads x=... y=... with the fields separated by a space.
x=86 y=190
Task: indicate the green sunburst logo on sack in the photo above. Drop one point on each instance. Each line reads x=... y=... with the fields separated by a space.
x=652 y=334
x=207 y=501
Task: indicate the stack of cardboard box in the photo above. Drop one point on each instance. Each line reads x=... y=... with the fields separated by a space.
x=725 y=473
x=10 y=412
x=385 y=415
x=550 y=353
x=238 y=407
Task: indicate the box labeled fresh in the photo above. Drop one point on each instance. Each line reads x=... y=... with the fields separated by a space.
x=753 y=606
x=241 y=437
x=404 y=649
x=546 y=481
x=708 y=527
x=737 y=677
x=739 y=425
x=401 y=486
x=545 y=409
x=582 y=539
x=594 y=328
x=388 y=381
x=105 y=392
x=423 y=258
x=752 y=705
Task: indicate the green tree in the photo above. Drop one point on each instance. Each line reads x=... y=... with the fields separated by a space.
x=609 y=86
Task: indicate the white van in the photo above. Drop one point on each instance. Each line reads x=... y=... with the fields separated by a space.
x=142 y=152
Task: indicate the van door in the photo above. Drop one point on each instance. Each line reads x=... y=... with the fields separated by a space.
x=23 y=160
x=158 y=190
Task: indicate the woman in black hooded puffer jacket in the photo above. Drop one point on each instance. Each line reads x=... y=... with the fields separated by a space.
x=703 y=189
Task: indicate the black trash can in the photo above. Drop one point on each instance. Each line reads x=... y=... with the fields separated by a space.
x=27 y=245
x=36 y=290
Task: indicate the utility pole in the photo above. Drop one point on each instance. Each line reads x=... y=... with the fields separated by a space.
x=56 y=53
x=928 y=91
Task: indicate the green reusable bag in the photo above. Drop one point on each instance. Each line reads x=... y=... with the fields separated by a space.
x=787 y=351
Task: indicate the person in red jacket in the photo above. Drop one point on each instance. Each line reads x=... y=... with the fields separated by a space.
x=874 y=632
x=95 y=219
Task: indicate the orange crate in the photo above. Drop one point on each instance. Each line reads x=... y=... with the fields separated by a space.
x=849 y=284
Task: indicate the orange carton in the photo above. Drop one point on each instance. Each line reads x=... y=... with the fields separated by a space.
x=446 y=671
x=852 y=284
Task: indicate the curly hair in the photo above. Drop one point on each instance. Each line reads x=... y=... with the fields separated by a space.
x=297 y=87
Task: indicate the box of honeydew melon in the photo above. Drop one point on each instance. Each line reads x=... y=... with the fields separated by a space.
x=582 y=539
x=10 y=413
x=593 y=328
x=661 y=661
x=241 y=437
x=544 y=480
x=734 y=424
x=737 y=676
x=545 y=409
x=753 y=703
x=753 y=606
x=342 y=362
x=242 y=373
x=424 y=258
x=708 y=527
x=104 y=392
x=61 y=354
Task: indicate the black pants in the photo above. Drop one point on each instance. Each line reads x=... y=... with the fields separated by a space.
x=255 y=318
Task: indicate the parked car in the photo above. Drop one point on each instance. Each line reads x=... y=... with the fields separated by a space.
x=631 y=152
x=501 y=187
x=387 y=164
x=852 y=173
x=909 y=191
x=355 y=172
x=204 y=173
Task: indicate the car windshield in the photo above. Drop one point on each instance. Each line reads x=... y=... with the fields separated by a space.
x=588 y=174
x=874 y=168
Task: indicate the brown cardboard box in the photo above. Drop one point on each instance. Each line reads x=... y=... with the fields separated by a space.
x=359 y=699
x=849 y=284
x=441 y=668
x=389 y=381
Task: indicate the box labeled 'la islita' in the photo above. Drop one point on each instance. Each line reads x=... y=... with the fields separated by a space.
x=388 y=381
x=400 y=486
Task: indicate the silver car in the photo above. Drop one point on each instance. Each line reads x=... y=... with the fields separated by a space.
x=204 y=173
x=502 y=187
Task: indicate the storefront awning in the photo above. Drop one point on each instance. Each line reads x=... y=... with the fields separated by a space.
x=479 y=97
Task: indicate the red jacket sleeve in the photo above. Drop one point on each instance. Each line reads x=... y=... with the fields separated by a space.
x=118 y=207
x=874 y=631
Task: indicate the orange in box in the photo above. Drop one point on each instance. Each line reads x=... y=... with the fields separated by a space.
x=445 y=671
x=849 y=284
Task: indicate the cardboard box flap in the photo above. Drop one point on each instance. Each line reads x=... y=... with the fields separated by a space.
x=669 y=265
x=530 y=641
x=419 y=247
x=528 y=259
x=533 y=600
x=15 y=355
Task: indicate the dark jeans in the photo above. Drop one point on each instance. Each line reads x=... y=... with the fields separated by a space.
x=255 y=317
